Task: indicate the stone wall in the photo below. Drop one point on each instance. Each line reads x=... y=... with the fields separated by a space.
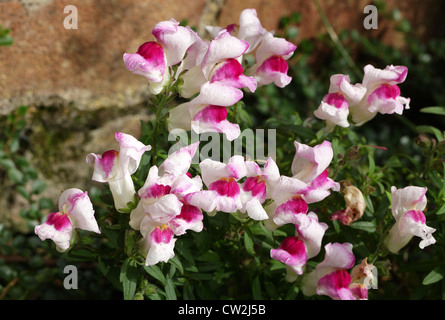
x=50 y=65
x=75 y=81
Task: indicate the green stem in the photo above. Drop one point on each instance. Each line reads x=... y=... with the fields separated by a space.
x=334 y=37
x=161 y=104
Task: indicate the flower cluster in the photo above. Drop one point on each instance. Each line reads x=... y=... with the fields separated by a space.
x=377 y=93
x=211 y=73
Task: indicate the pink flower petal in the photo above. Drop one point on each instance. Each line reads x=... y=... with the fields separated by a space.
x=336 y=285
x=291 y=252
x=58 y=228
x=149 y=61
x=175 y=39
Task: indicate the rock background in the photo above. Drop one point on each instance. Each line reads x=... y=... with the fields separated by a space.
x=76 y=84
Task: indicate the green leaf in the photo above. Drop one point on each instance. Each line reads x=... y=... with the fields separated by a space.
x=368 y=226
x=434 y=110
x=23 y=192
x=371 y=165
x=38 y=186
x=15 y=175
x=248 y=242
x=82 y=255
x=434 y=276
x=256 y=289
x=129 y=278
x=156 y=273
x=170 y=290
x=7 y=164
x=393 y=162
x=441 y=210
x=176 y=263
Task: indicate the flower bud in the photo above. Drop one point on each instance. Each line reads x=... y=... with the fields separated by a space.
x=355 y=204
x=353 y=153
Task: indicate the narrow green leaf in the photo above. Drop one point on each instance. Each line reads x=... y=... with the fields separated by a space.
x=248 y=242
x=371 y=165
x=434 y=276
x=176 y=263
x=187 y=292
x=393 y=162
x=368 y=226
x=256 y=289
x=441 y=210
x=129 y=278
x=434 y=110
x=170 y=290
x=156 y=273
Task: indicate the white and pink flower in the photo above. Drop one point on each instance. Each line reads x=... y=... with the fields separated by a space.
x=407 y=206
x=248 y=29
x=288 y=205
x=220 y=64
x=310 y=183
x=363 y=277
x=330 y=276
x=271 y=58
x=310 y=166
x=382 y=93
x=207 y=112
x=334 y=107
x=258 y=187
x=294 y=251
x=153 y=58
x=223 y=179
x=116 y=168
x=75 y=212
x=171 y=202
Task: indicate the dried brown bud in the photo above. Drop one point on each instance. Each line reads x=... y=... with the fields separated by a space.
x=355 y=204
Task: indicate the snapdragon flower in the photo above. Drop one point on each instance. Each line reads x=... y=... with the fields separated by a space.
x=116 y=167
x=310 y=166
x=271 y=61
x=363 y=277
x=334 y=107
x=271 y=53
x=310 y=183
x=217 y=80
x=220 y=63
x=258 y=187
x=207 y=112
x=153 y=58
x=377 y=93
x=330 y=276
x=248 y=29
x=294 y=251
x=382 y=93
x=407 y=206
x=289 y=205
x=223 y=179
x=75 y=212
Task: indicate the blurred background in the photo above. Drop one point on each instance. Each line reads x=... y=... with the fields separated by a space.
x=64 y=92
